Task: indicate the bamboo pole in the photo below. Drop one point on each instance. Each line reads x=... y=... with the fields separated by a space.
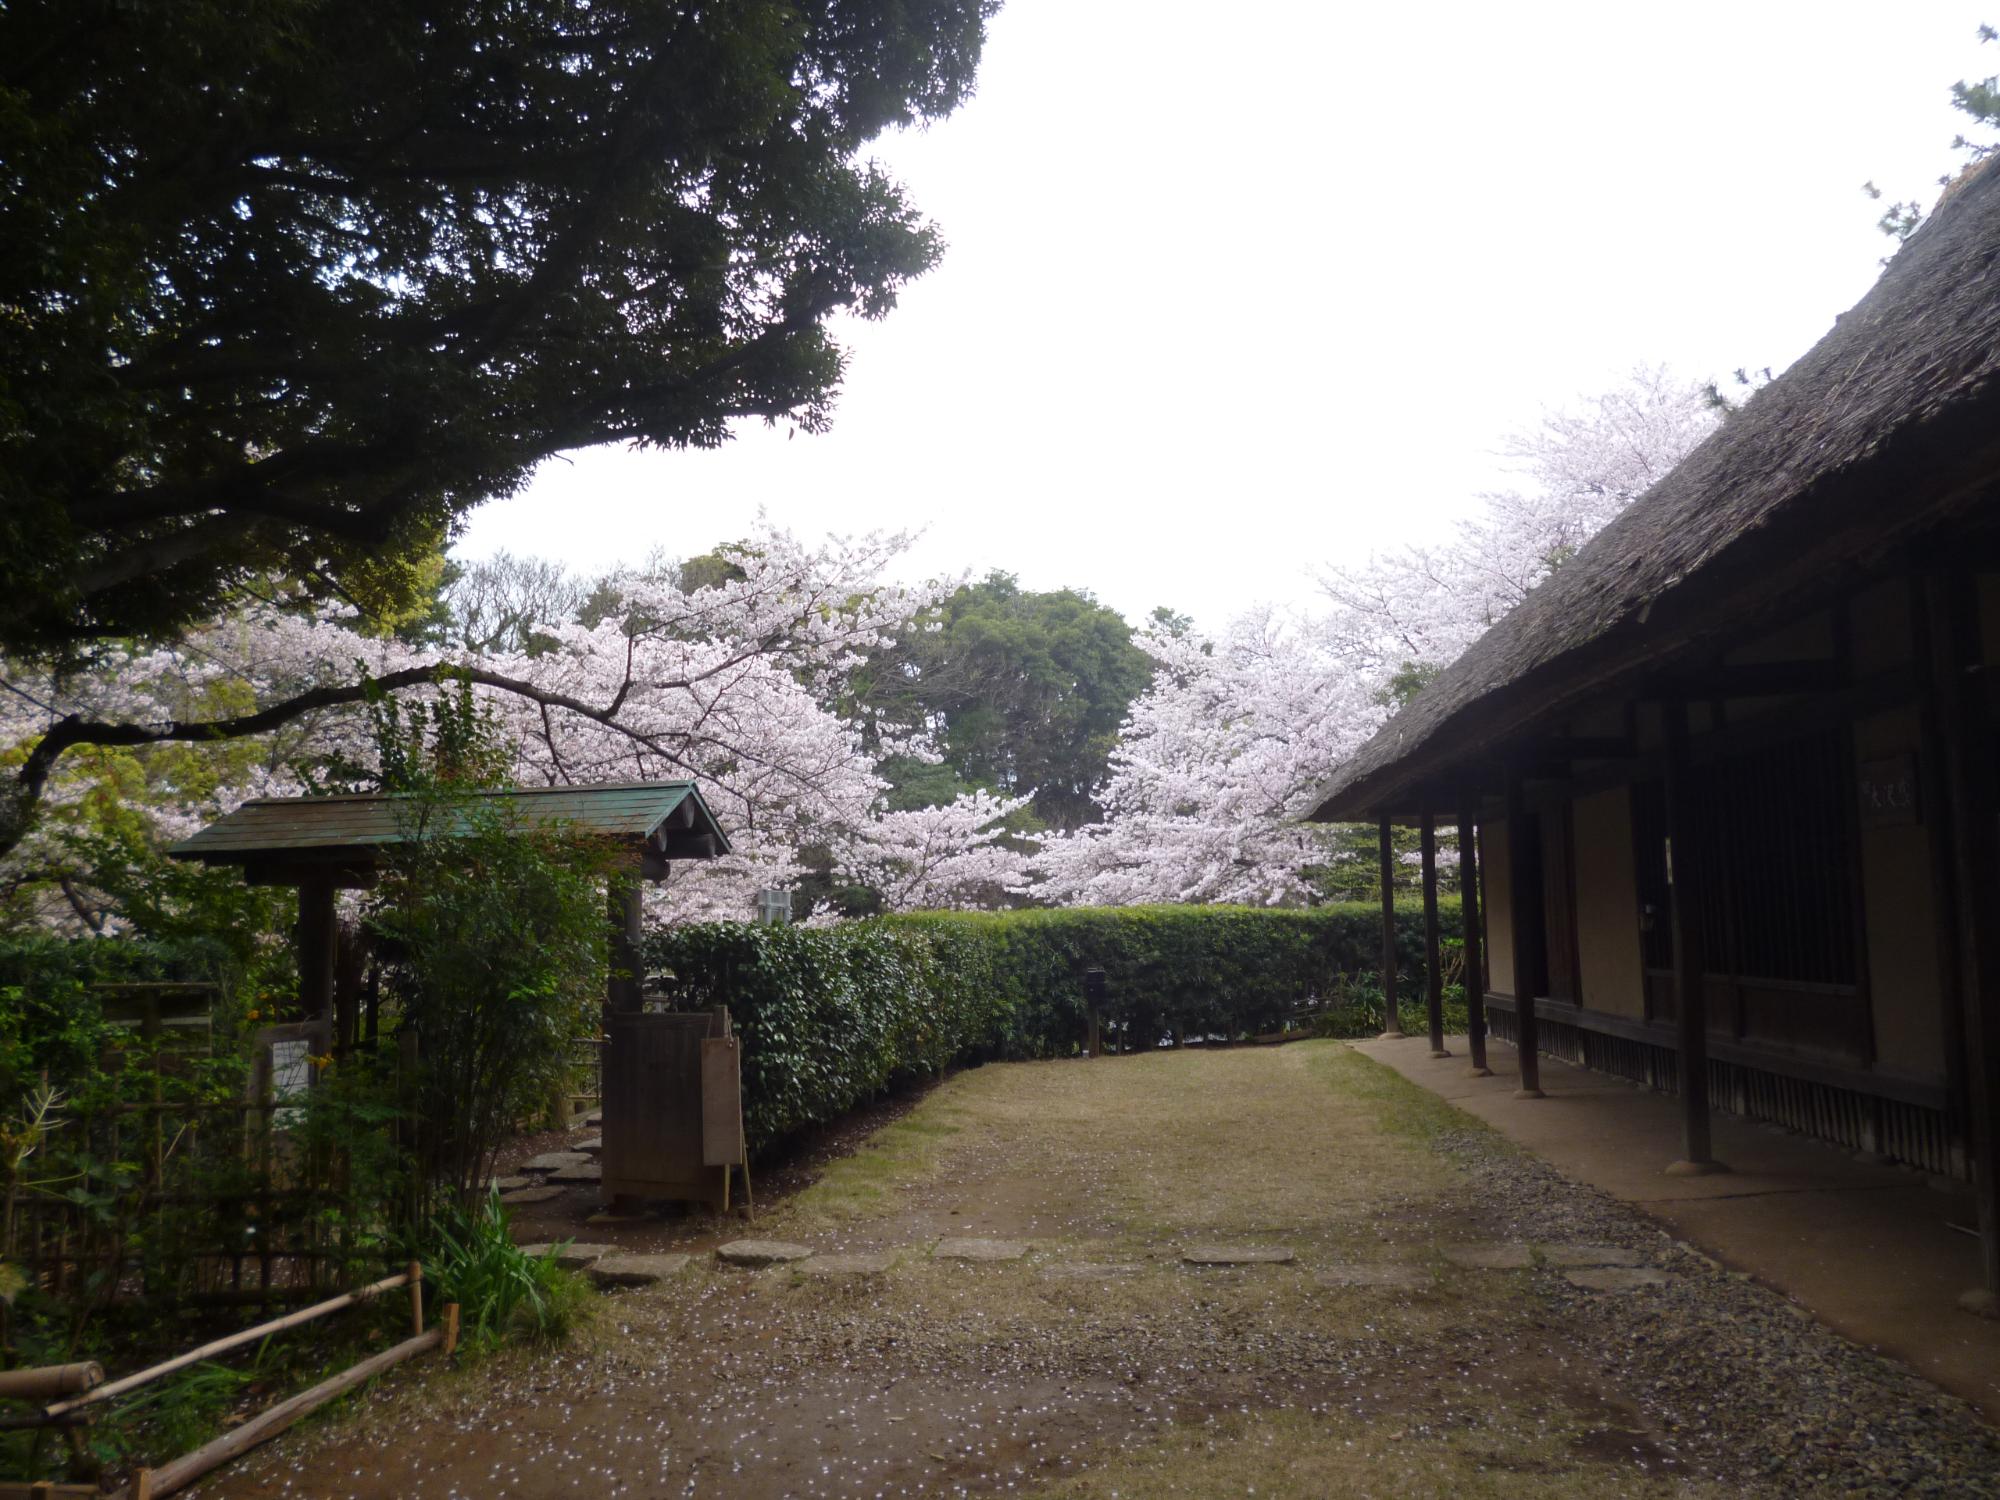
x=151 y=1483
x=236 y=1340
x=416 y=1279
x=49 y=1380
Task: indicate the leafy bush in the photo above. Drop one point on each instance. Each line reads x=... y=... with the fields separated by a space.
x=499 y=1290
x=830 y=1017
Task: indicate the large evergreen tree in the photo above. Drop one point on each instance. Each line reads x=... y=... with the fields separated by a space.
x=288 y=285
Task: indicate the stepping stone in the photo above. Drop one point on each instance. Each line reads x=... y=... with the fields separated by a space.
x=760 y=1253
x=591 y=1147
x=522 y=1196
x=508 y=1184
x=981 y=1250
x=1092 y=1270
x=572 y=1257
x=1238 y=1255
x=638 y=1270
x=594 y=1119
x=584 y=1171
x=844 y=1265
x=1384 y=1273
x=1517 y=1255
x=606 y=1218
x=554 y=1161
x=1617 y=1278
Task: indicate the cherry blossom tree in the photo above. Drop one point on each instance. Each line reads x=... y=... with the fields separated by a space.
x=727 y=683
x=1218 y=761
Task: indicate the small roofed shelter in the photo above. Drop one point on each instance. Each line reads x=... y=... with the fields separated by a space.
x=1733 y=769
x=326 y=844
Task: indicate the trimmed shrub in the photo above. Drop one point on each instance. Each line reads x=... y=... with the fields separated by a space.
x=830 y=1017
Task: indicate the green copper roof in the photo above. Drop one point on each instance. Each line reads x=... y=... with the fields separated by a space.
x=669 y=816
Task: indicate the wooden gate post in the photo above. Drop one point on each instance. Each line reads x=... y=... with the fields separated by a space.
x=1690 y=952
x=625 y=905
x=1433 y=949
x=1475 y=939
x=1392 y=1023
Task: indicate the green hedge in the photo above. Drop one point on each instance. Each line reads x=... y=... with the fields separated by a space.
x=832 y=1016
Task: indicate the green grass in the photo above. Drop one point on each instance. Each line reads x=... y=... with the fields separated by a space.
x=898 y=1154
x=1400 y=1107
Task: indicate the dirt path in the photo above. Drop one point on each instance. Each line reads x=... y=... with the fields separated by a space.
x=1100 y=1364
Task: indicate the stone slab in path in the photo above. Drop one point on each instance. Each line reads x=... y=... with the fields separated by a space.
x=843 y=1265
x=1375 y=1273
x=554 y=1161
x=760 y=1253
x=508 y=1184
x=1517 y=1255
x=1616 y=1278
x=583 y=1171
x=591 y=1146
x=594 y=1119
x=637 y=1270
x=977 y=1249
x=1238 y=1255
x=571 y=1257
x=522 y=1196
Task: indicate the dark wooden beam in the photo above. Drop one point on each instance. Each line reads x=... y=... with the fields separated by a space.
x=1392 y=1022
x=1966 y=741
x=1690 y=969
x=1520 y=876
x=1472 y=919
x=318 y=935
x=1763 y=679
x=624 y=892
x=1433 y=949
x=1933 y=798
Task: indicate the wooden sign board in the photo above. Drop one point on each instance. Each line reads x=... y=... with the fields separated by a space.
x=721 y=1102
x=1888 y=790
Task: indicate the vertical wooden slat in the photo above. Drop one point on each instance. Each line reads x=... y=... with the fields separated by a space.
x=1521 y=875
x=624 y=899
x=317 y=935
x=1967 y=743
x=1685 y=862
x=1433 y=950
x=1392 y=1021
x=1472 y=919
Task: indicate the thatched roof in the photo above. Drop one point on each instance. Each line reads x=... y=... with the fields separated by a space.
x=1887 y=428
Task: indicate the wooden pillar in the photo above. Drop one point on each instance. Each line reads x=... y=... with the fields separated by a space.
x=1433 y=951
x=1934 y=799
x=1966 y=745
x=1392 y=1023
x=1690 y=951
x=318 y=935
x=1521 y=910
x=625 y=902
x=1475 y=940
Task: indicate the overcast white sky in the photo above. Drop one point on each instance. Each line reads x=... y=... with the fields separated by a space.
x=1237 y=290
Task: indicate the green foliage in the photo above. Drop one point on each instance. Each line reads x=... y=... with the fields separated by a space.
x=494 y=941
x=1025 y=692
x=297 y=326
x=832 y=1016
x=500 y=1292
x=829 y=1017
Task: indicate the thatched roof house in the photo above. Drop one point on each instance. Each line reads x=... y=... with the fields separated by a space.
x=1733 y=766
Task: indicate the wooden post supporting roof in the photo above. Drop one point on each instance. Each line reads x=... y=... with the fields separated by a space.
x=626 y=905
x=1690 y=962
x=1966 y=740
x=318 y=935
x=1475 y=940
x=1433 y=950
x=1521 y=875
x=1392 y=1021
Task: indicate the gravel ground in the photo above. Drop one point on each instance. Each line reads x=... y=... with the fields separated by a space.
x=1746 y=1380
x=1053 y=1376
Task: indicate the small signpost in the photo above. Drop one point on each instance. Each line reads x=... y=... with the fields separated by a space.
x=1093 y=1002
